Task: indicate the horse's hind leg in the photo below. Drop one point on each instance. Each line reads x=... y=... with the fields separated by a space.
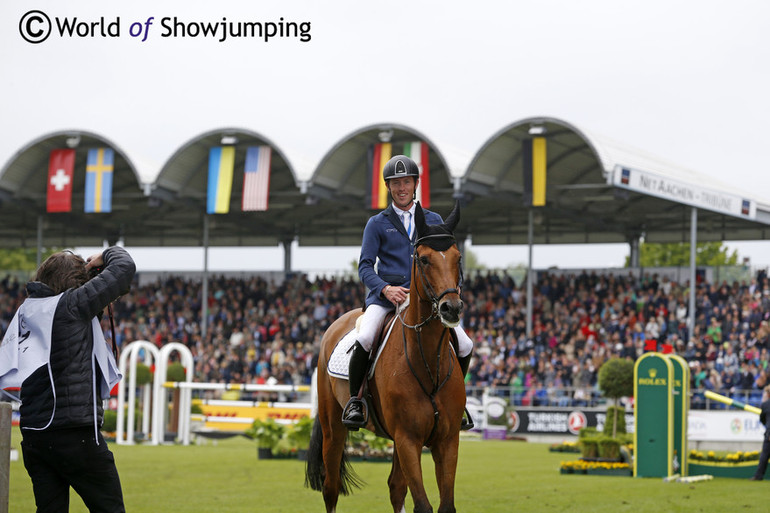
x=397 y=484
x=334 y=434
x=445 y=459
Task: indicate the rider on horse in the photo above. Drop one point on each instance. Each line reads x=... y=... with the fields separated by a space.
x=387 y=241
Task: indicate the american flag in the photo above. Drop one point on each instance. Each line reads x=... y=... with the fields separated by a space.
x=256 y=178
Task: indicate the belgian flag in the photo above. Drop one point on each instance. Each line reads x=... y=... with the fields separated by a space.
x=533 y=157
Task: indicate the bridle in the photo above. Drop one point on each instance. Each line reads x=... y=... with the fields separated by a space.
x=431 y=297
x=434 y=299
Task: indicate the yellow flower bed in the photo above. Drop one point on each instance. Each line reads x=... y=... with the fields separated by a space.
x=735 y=457
x=586 y=465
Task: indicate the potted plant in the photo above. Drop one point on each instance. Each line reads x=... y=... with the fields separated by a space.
x=267 y=432
x=299 y=435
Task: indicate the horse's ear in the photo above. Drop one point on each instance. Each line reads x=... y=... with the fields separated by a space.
x=419 y=220
x=453 y=218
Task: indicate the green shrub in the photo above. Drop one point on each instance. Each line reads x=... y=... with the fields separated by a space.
x=621 y=416
x=110 y=424
x=590 y=447
x=175 y=372
x=588 y=432
x=143 y=374
x=609 y=447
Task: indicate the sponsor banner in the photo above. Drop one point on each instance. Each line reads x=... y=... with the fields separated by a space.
x=724 y=426
x=703 y=426
x=238 y=415
x=560 y=421
x=682 y=192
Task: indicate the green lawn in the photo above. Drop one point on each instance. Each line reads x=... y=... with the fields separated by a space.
x=493 y=477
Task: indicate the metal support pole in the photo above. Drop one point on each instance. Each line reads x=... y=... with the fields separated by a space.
x=5 y=455
x=530 y=274
x=287 y=255
x=634 y=257
x=205 y=287
x=693 y=243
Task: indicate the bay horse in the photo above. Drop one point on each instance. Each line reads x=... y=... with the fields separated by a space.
x=417 y=393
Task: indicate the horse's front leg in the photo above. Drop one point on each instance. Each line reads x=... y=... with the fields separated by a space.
x=397 y=485
x=445 y=458
x=409 y=454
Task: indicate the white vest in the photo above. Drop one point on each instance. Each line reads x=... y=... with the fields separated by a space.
x=26 y=347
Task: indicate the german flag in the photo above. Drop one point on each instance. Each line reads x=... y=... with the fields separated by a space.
x=533 y=157
x=380 y=156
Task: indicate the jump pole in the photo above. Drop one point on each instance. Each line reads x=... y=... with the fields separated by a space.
x=731 y=402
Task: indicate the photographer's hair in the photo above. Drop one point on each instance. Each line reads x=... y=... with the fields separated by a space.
x=61 y=271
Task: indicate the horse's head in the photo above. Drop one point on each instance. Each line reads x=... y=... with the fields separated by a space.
x=437 y=269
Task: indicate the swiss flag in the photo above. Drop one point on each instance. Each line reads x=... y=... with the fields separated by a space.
x=60 y=169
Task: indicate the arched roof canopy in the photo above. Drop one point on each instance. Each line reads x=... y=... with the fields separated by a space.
x=179 y=195
x=23 y=193
x=589 y=201
x=341 y=183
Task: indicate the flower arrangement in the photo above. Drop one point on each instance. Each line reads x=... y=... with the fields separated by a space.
x=735 y=457
x=565 y=447
x=368 y=446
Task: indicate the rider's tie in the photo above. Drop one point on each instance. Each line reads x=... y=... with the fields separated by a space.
x=407 y=220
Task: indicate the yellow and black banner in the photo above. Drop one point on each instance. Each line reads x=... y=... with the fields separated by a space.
x=533 y=156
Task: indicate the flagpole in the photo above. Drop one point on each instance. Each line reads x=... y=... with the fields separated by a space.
x=205 y=288
x=693 y=243
x=39 y=257
x=530 y=237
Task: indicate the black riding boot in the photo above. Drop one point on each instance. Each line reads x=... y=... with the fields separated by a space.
x=467 y=422
x=354 y=416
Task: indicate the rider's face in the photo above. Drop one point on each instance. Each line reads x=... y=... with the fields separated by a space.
x=402 y=191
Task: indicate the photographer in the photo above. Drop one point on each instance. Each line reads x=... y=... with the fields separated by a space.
x=67 y=369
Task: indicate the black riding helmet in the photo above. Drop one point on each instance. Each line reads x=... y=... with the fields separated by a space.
x=400 y=166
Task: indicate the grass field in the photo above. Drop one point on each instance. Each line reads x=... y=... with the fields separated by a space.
x=494 y=476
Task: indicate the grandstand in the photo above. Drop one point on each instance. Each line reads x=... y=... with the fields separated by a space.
x=540 y=347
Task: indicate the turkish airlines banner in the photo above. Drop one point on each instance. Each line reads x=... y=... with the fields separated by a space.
x=60 y=169
x=559 y=421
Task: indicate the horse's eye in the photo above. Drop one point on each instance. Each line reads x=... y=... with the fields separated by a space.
x=424 y=260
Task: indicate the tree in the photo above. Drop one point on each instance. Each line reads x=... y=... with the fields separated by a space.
x=471 y=261
x=616 y=380
x=678 y=254
x=22 y=259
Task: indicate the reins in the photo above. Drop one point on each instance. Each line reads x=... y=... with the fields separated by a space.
x=434 y=299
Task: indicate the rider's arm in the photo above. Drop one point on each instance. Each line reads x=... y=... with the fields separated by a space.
x=370 y=247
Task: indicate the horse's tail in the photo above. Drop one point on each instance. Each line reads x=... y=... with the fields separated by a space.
x=314 y=471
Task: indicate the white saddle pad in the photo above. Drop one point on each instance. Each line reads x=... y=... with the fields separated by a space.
x=340 y=358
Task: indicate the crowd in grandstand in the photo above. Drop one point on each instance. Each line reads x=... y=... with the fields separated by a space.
x=265 y=332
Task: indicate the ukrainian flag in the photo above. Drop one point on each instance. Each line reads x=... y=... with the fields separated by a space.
x=533 y=153
x=99 y=168
x=221 y=164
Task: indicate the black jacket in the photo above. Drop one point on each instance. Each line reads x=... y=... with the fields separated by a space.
x=71 y=348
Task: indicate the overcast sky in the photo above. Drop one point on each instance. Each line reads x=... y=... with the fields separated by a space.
x=686 y=81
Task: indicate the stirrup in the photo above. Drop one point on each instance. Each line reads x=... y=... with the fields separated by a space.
x=467 y=421
x=354 y=425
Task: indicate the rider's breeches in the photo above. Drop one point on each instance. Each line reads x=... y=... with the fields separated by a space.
x=372 y=322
